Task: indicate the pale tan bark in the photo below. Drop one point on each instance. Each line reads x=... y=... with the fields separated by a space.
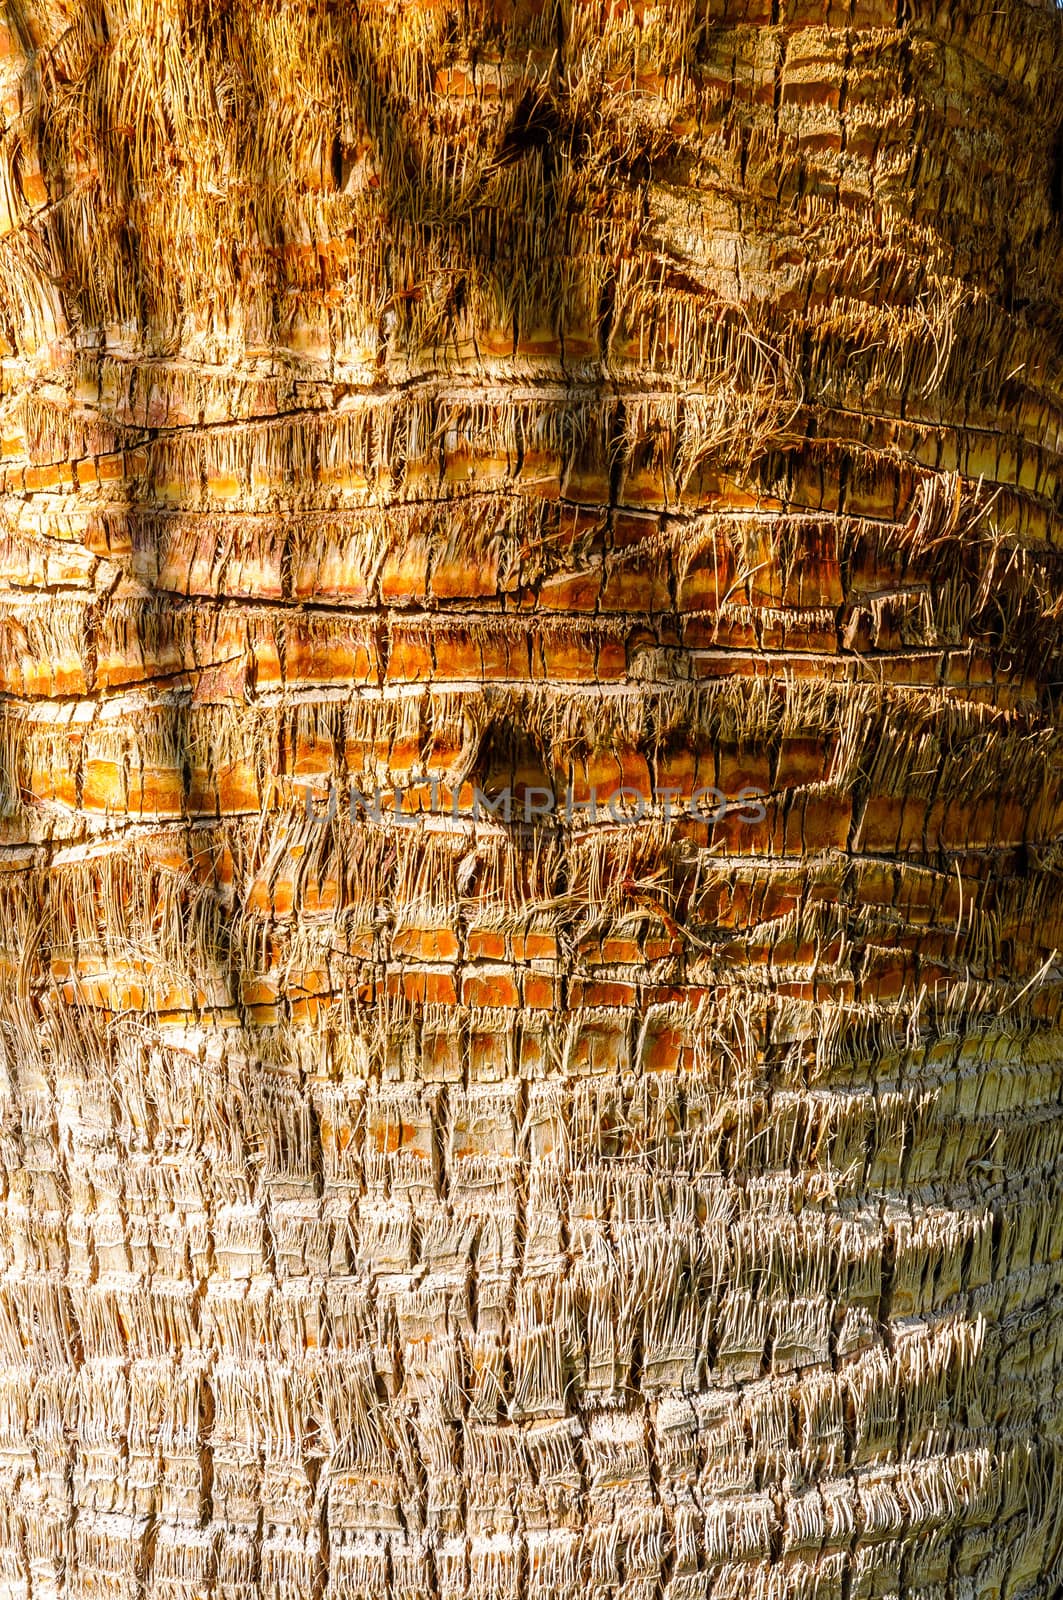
x=509 y=394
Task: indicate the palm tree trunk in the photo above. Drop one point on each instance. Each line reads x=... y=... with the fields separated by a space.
x=648 y=1186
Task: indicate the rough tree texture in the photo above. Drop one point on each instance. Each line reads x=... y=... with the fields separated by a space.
x=557 y=394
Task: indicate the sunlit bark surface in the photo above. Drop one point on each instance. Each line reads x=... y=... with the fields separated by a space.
x=525 y=395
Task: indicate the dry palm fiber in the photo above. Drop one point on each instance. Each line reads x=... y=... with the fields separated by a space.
x=552 y=393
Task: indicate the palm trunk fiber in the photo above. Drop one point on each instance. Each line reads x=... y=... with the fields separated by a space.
x=573 y=1177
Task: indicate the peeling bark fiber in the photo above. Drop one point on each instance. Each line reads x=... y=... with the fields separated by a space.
x=474 y=399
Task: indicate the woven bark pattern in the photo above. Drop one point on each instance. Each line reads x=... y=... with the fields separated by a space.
x=504 y=396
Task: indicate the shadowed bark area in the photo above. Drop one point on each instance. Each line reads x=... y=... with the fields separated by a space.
x=628 y=1205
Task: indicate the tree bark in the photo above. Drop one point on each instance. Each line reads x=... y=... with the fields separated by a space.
x=646 y=421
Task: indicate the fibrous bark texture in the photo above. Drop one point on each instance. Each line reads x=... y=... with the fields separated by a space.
x=628 y=1205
